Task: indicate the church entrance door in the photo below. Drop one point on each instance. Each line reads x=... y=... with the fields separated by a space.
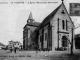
x=64 y=42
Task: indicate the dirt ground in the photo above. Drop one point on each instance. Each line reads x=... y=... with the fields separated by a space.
x=32 y=55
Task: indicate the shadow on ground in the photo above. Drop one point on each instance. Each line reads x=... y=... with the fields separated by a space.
x=66 y=57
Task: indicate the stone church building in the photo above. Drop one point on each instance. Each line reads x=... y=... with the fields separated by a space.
x=53 y=33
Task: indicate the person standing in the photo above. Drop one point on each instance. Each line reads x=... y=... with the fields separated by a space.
x=36 y=49
x=10 y=49
x=15 y=48
x=21 y=48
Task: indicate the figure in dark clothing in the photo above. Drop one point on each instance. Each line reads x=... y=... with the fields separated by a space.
x=36 y=49
x=10 y=49
x=21 y=48
x=15 y=49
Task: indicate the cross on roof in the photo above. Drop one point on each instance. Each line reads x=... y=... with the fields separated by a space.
x=62 y=0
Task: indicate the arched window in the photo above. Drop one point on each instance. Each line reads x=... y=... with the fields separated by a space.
x=63 y=24
x=64 y=41
x=46 y=36
x=66 y=25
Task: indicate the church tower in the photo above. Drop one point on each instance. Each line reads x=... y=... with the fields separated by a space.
x=27 y=30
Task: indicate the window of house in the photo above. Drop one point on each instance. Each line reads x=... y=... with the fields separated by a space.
x=45 y=36
x=40 y=38
x=63 y=24
x=66 y=25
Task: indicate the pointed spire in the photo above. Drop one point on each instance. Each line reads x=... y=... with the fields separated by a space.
x=30 y=19
x=30 y=16
x=62 y=1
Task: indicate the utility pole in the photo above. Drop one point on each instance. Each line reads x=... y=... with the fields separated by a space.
x=58 y=33
x=72 y=42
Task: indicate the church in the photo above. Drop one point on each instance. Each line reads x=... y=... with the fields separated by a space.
x=55 y=32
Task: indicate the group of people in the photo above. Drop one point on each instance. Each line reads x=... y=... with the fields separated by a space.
x=13 y=49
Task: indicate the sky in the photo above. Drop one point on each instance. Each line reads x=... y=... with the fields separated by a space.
x=13 y=16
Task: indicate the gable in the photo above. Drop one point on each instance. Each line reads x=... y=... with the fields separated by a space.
x=54 y=13
x=63 y=14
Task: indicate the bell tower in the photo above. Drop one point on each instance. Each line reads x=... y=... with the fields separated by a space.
x=30 y=19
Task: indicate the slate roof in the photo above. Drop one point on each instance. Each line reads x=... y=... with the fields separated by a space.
x=46 y=20
x=34 y=24
x=49 y=17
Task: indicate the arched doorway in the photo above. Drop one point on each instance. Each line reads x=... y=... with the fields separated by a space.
x=64 y=41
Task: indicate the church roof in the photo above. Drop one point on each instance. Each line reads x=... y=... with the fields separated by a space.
x=48 y=18
x=34 y=24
